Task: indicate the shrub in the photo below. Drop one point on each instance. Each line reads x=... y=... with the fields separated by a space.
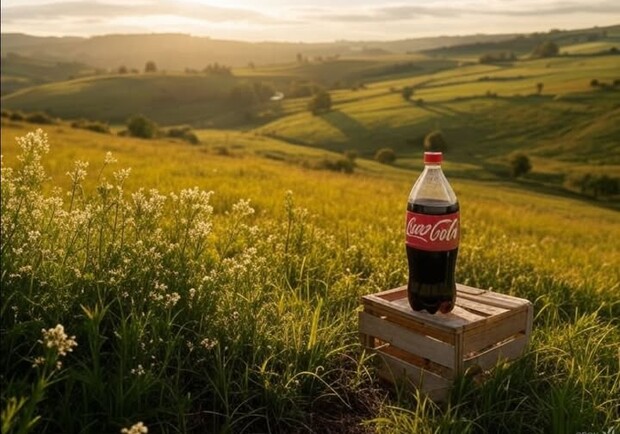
x=96 y=126
x=407 y=93
x=594 y=185
x=183 y=133
x=546 y=49
x=141 y=126
x=39 y=118
x=350 y=154
x=594 y=82
x=520 y=165
x=343 y=165
x=385 y=156
x=6 y=113
x=150 y=66
x=435 y=142
x=321 y=102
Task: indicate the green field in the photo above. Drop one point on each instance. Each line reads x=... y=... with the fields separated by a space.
x=487 y=112
x=214 y=286
x=198 y=313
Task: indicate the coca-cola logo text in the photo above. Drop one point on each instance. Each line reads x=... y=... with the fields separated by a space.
x=432 y=232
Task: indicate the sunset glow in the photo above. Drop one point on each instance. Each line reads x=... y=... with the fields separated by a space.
x=297 y=20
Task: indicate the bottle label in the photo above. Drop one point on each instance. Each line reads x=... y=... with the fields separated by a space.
x=434 y=233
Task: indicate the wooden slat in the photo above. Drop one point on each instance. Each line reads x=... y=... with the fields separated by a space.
x=414 y=324
x=475 y=306
x=482 y=337
x=455 y=319
x=506 y=351
x=469 y=289
x=432 y=349
x=395 y=370
x=415 y=360
x=393 y=294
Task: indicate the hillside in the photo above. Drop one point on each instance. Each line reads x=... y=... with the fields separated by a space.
x=210 y=292
x=178 y=51
x=19 y=71
x=486 y=112
x=596 y=40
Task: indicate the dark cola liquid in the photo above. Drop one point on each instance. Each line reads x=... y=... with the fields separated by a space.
x=431 y=283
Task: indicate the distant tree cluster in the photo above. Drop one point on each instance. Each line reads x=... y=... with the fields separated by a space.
x=184 y=133
x=602 y=85
x=502 y=56
x=150 y=66
x=595 y=185
x=217 y=69
x=303 y=88
x=385 y=156
x=546 y=49
x=435 y=142
x=33 y=118
x=247 y=94
x=96 y=126
x=142 y=127
x=320 y=103
x=520 y=165
x=407 y=92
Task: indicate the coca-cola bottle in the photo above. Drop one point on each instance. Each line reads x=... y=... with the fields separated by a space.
x=432 y=239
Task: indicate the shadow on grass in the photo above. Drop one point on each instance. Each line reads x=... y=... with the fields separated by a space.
x=347 y=125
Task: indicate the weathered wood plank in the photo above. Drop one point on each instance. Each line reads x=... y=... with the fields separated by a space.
x=432 y=349
x=482 y=337
x=507 y=351
x=395 y=370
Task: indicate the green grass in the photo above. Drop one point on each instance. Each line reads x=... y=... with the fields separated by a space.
x=198 y=312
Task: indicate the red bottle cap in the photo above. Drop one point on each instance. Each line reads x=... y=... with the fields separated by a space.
x=432 y=157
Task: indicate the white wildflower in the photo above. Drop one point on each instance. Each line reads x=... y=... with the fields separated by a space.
x=138 y=428
x=57 y=338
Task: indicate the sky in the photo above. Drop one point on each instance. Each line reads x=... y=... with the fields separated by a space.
x=308 y=21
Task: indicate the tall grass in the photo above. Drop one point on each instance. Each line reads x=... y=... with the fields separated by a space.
x=191 y=318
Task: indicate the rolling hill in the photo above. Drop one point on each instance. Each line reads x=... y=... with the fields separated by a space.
x=564 y=111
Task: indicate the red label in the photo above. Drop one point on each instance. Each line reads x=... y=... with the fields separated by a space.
x=433 y=233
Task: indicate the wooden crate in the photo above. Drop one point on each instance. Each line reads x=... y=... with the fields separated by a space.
x=429 y=351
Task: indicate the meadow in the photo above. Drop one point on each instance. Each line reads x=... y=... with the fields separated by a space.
x=214 y=287
x=205 y=291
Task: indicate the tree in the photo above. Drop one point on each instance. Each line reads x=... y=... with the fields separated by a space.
x=141 y=126
x=435 y=142
x=546 y=49
x=539 y=87
x=150 y=66
x=407 y=93
x=594 y=82
x=122 y=69
x=321 y=102
x=520 y=165
x=385 y=156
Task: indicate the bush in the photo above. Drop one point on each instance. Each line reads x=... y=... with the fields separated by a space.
x=322 y=102
x=184 y=133
x=343 y=165
x=546 y=49
x=594 y=83
x=97 y=127
x=351 y=154
x=407 y=93
x=39 y=118
x=6 y=113
x=593 y=185
x=435 y=142
x=141 y=126
x=520 y=165
x=385 y=156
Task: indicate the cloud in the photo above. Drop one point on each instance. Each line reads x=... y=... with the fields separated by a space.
x=443 y=10
x=104 y=10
